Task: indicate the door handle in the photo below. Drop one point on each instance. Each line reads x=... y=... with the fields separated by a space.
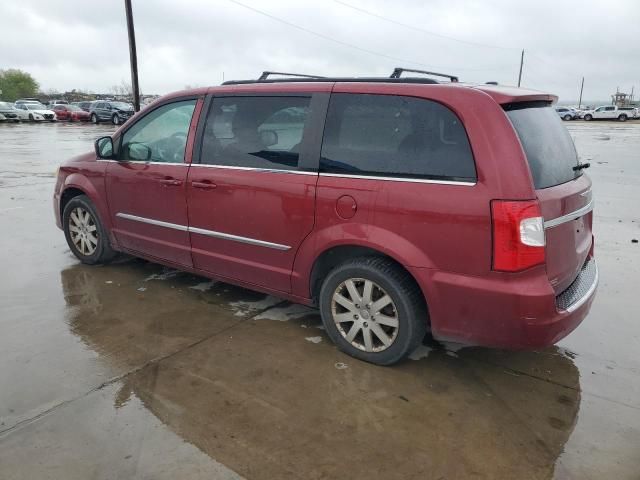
x=171 y=182
x=204 y=185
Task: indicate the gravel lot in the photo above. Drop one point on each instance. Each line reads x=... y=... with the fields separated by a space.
x=133 y=370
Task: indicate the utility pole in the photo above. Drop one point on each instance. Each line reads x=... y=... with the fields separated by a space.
x=133 y=56
x=521 y=63
x=580 y=99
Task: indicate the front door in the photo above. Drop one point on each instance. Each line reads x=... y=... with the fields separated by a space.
x=146 y=186
x=251 y=199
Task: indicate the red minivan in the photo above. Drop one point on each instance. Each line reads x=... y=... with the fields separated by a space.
x=396 y=205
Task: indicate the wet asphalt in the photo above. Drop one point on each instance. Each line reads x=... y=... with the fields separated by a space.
x=133 y=370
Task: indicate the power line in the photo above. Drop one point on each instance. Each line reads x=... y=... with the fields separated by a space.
x=350 y=45
x=422 y=30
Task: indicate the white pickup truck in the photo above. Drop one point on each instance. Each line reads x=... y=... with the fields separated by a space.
x=611 y=112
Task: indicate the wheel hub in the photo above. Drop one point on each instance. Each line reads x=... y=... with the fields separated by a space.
x=365 y=315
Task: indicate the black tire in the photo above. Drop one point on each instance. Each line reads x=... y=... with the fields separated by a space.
x=588 y=117
x=567 y=118
x=409 y=303
x=70 y=119
x=94 y=118
x=622 y=118
x=31 y=117
x=115 y=119
x=103 y=253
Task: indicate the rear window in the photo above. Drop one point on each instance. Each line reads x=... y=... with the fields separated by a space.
x=549 y=148
x=395 y=136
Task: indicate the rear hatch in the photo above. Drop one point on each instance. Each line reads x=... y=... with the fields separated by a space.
x=564 y=191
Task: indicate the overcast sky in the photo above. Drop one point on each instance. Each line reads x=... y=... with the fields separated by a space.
x=82 y=44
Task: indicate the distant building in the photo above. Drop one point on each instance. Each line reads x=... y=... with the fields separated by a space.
x=622 y=99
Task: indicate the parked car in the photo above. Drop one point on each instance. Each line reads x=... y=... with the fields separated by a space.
x=391 y=204
x=26 y=100
x=36 y=111
x=608 y=112
x=566 y=113
x=86 y=106
x=633 y=111
x=53 y=103
x=114 y=112
x=9 y=112
x=73 y=113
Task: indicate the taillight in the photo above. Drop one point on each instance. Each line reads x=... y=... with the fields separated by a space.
x=518 y=235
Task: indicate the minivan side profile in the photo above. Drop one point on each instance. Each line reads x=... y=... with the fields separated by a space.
x=397 y=206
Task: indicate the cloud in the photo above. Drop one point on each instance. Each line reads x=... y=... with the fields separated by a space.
x=78 y=44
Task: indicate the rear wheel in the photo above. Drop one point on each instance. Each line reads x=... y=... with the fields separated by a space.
x=85 y=234
x=373 y=310
x=588 y=117
x=94 y=118
x=622 y=118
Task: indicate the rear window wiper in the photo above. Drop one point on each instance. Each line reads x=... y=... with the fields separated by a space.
x=581 y=166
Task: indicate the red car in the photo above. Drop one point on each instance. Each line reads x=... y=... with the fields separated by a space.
x=397 y=206
x=73 y=113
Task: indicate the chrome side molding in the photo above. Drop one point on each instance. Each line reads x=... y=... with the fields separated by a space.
x=569 y=217
x=202 y=231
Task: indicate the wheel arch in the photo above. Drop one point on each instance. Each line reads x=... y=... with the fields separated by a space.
x=334 y=255
x=77 y=184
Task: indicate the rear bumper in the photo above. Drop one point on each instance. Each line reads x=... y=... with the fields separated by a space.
x=514 y=311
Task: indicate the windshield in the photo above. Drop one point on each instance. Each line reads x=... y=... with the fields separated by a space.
x=121 y=105
x=35 y=106
x=546 y=143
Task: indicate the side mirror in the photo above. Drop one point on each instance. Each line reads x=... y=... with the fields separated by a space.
x=104 y=147
x=137 y=151
x=268 y=138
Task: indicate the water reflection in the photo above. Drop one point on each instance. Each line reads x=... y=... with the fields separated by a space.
x=265 y=402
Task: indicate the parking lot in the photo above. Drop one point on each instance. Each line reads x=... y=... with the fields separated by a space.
x=135 y=370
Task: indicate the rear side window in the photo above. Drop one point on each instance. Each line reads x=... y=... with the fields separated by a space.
x=255 y=132
x=397 y=136
x=547 y=144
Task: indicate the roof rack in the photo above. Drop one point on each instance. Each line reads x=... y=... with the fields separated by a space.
x=395 y=77
x=398 y=71
x=265 y=75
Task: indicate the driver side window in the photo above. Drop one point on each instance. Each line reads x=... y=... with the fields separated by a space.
x=160 y=136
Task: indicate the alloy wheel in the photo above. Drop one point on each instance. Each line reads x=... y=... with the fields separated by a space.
x=83 y=231
x=365 y=315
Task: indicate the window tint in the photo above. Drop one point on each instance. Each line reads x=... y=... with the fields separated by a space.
x=547 y=145
x=259 y=132
x=161 y=135
x=395 y=136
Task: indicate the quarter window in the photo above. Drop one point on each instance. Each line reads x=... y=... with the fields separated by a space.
x=395 y=136
x=160 y=136
x=257 y=132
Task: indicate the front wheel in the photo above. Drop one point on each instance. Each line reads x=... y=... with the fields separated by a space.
x=115 y=119
x=31 y=117
x=85 y=234
x=94 y=118
x=372 y=310
x=622 y=118
x=567 y=118
x=588 y=117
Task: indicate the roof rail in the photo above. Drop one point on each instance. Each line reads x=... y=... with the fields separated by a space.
x=265 y=75
x=398 y=71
